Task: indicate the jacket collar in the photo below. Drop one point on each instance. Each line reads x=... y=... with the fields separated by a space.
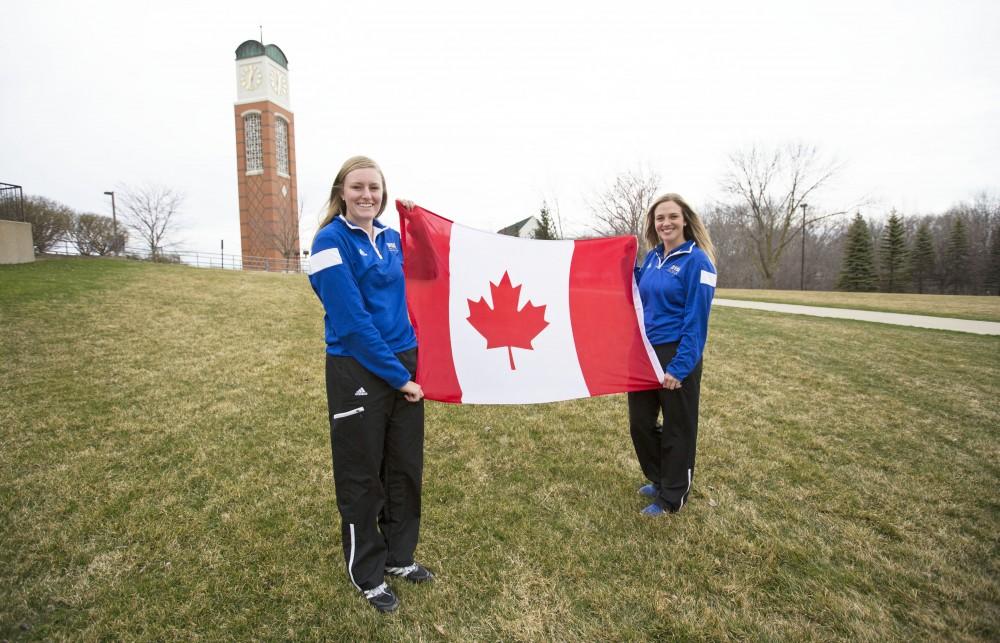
x=377 y=226
x=683 y=249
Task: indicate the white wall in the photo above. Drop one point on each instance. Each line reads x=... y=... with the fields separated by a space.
x=16 y=242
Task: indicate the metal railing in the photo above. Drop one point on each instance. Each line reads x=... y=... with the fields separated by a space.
x=11 y=202
x=199 y=259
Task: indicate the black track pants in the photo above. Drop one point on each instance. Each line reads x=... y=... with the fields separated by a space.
x=667 y=456
x=377 y=440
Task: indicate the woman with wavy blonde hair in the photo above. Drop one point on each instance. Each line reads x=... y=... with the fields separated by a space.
x=676 y=285
x=694 y=230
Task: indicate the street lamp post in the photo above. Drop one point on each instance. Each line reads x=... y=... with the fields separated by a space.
x=802 y=269
x=114 y=223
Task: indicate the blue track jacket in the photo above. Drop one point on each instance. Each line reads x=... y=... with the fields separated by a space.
x=360 y=283
x=676 y=293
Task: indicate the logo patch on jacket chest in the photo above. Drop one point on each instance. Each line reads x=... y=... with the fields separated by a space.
x=674 y=269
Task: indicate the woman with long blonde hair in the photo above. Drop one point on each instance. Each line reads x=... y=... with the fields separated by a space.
x=676 y=285
x=376 y=408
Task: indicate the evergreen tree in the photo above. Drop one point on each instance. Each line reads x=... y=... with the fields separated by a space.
x=858 y=271
x=893 y=254
x=546 y=229
x=922 y=259
x=956 y=258
x=993 y=268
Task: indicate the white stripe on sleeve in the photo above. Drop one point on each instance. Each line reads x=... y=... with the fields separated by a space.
x=325 y=259
x=708 y=278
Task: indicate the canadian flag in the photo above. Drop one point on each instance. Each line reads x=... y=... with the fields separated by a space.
x=504 y=320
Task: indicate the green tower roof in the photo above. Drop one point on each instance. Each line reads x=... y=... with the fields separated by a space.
x=254 y=48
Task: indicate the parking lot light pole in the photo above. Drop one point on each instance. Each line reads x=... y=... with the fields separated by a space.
x=802 y=270
x=114 y=222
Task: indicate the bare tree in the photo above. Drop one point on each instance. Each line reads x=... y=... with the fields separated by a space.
x=284 y=237
x=621 y=208
x=557 y=224
x=307 y=226
x=979 y=216
x=732 y=253
x=95 y=235
x=824 y=250
x=278 y=235
x=151 y=211
x=773 y=185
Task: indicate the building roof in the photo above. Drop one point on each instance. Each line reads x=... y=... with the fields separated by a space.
x=514 y=229
x=254 y=48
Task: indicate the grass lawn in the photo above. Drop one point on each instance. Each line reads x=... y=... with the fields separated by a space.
x=165 y=475
x=960 y=306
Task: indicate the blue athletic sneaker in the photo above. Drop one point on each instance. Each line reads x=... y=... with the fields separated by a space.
x=653 y=511
x=649 y=490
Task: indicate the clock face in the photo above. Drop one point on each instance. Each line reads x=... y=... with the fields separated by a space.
x=250 y=77
x=279 y=83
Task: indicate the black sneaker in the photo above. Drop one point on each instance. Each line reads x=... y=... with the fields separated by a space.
x=382 y=598
x=415 y=573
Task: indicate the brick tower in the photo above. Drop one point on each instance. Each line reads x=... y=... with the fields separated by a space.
x=265 y=159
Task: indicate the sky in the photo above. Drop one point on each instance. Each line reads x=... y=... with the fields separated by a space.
x=480 y=111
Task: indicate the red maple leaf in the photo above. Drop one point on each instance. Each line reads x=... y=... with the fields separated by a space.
x=504 y=324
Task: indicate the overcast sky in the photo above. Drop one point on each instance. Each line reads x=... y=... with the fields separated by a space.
x=479 y=111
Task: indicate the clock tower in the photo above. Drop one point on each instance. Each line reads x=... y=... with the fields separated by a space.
x=265 y=159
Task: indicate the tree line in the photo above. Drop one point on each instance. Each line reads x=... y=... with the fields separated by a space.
x=771 y=230
x=148 y=212
x=956 y=252
x=769 y=227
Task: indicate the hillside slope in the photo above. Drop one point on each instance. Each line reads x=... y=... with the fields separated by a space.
x=165 y=474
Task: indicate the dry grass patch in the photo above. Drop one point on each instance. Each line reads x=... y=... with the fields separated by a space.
x=165 y=474
x=958 y=306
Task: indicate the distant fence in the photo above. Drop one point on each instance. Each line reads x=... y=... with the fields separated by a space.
x=199 y=259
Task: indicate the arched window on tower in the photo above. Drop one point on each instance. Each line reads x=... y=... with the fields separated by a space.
x=251 y=135
x=281 y=138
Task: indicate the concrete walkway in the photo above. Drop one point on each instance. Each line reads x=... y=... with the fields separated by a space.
x=921 y=321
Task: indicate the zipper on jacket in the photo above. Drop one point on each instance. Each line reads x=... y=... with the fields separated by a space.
x=375 y=248
x=674 y=253
x=377 y=230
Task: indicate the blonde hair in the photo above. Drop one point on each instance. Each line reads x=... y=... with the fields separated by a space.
x=335 y=206
x=694 y=229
